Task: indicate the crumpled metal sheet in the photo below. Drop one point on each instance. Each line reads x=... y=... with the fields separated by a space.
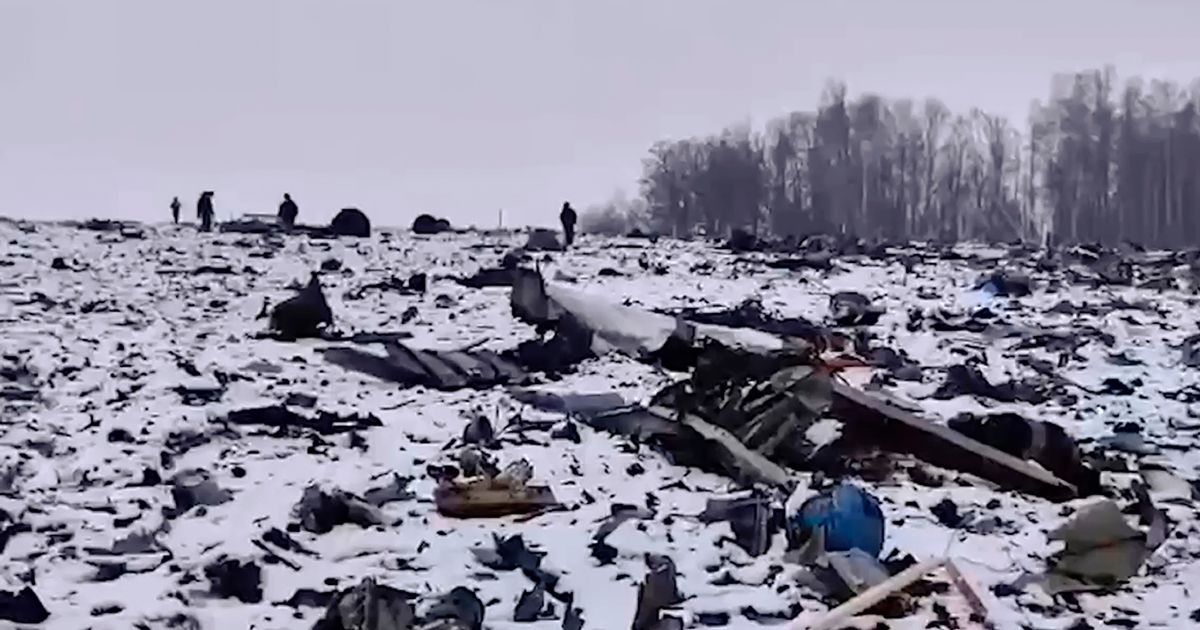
x=1102 y=550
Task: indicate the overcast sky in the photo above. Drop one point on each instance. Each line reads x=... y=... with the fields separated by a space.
x=464 y=107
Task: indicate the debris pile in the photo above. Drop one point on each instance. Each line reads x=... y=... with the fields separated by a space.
x=825 y=432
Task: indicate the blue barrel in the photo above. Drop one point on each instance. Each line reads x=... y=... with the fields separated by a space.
x=851 y=519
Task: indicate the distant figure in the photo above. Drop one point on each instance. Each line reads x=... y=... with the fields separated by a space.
x=204 y=211
x=175 y=206
x=288 y=211
x=568 y=218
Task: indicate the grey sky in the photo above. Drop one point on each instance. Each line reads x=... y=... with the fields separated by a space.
x=462 y=107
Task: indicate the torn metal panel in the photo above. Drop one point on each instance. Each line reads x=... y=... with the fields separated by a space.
x=444 y=370
x=441 y=375
x=899 y=430
x=745 y=464
x=615 y=327
x=1102 y=550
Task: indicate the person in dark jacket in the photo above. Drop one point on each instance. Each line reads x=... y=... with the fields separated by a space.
x=568 y=218
x=204 y=211
x=175 y=206
x=288 y=210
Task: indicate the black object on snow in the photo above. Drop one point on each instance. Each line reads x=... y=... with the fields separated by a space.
x=543 y=240
x=568 y=431
x=573 y=619
x=968 y=380
x=23 y=607
x=947 y=513
x=428 y=224
x=302 y=315
x=741 y=240
x=325 y=422
x=508 y=554
x=849 y=308
x=1005 y=284
x=479 y=430
x=417 y=283
x=236 y=579
x=502 y=277
x=369 y=606
x=751 y=314
x=530 y=604
x=818 y=261
x=395 y=490
x=1043 y=442
x=659 y=591
x=309 y=598
x=195 y=487
x=319 y=512
x=460 y=605
x=350 y=222
x=749 y=517
x=284 y=541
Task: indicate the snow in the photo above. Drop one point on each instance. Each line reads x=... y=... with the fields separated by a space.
x=111 y=351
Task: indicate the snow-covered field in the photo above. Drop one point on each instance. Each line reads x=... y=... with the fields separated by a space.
x=110 y=337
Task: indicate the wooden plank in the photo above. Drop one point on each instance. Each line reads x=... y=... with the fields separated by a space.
x=838 y=617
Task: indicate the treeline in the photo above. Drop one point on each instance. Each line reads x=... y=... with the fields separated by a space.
x=1095 y=162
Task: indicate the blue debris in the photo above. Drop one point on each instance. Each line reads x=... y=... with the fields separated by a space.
x=850 y=517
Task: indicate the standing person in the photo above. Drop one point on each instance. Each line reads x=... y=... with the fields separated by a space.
x=175 y=206
x=204 y=211
x=568 y=218
x=288 y=211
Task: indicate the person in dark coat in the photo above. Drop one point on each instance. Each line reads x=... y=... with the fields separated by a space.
x=568 y=218
x=204 y=211
x=175 y=206
x=288 y=210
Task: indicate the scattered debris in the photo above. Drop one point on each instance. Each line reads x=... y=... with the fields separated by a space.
x=1043 y=442
x=1003 y=283
x=325 y=422
x=319 y=511
x=505 y=494
x=967 y=380
x=460 y=609
x=848 y=308
x=444 y=370
x=657 y=593
x=195 y=487
x=749 y=517
x=369 y=606
x=395 y=490
x=1102 y=550
x=235 y=579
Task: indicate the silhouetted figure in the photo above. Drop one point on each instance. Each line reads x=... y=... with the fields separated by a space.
x=204 y=211
x=288 y=211
x=568 y=218
x=175 y=206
